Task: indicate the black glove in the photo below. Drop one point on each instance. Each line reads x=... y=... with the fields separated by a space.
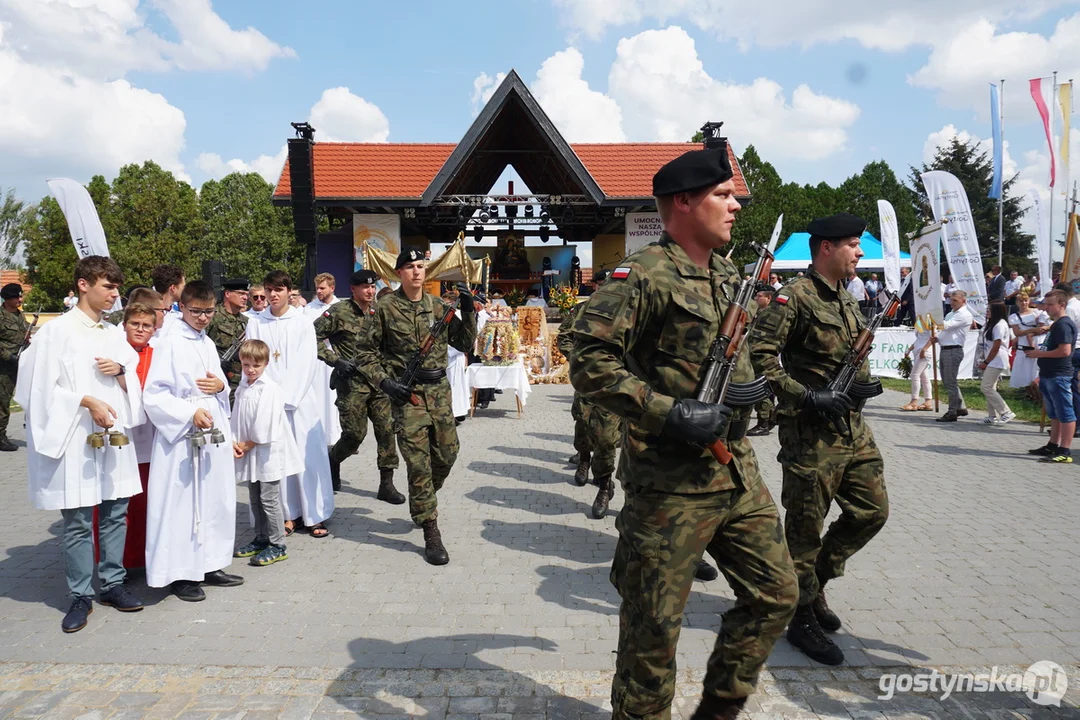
x=464 y=298
x=345 y=368
x=396 y=391
x=697 y=422
x=830 y=403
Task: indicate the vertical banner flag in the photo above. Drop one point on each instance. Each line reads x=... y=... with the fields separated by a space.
x=926 y=275
x=1042 y=92
x=999 y=150
x=642 y=228
x=1070 y=266
x=82 y=217
x=949 y=201
x=1063 y=127
x=1042 y=245
x=890 y=244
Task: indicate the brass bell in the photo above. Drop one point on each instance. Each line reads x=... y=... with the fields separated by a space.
x=118 y=439
x=216 y=436
x=96 y=440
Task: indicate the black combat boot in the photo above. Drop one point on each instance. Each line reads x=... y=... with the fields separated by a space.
x=705 y=572
x=603 y=496
x=764 y=427
x=581 y=477
x=806 y=634
x=574 y=459
x=6 y=445
x=387 y=492
x=827 y=619
x=714 y=708
x=434 y=551
x=335 y=473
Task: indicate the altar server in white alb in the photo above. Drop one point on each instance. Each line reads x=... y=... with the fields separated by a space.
x=80 y=408
x=324 y=299
x=191 y=508
x=265 y=453
x=290 y=335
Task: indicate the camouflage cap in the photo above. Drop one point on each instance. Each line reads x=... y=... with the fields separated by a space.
x=692 y=171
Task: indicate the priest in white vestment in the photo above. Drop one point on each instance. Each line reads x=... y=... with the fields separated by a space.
x=293 y=363
x=73 y=381
x=191 y=504
x=324 y=298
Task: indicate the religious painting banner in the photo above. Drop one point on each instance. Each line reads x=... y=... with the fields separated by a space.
x=379 y=231
x=890 y=245
x=82 y=218
x=926 y=276
x=642 y=228
x=890 y=344
x=949 y=201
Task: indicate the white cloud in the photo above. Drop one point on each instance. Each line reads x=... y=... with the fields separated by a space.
x=960 y=67
x=580 y=113
x=484 y=86
x=880 y=25
x=107 y=38
x=269 y=166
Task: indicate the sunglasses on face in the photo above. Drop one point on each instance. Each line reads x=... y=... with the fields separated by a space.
x=257 y=297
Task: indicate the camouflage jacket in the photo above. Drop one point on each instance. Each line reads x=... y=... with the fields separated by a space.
x=639 y=345
x=13 y=327
x=224 y=329
x=394 y=335
x=802 y=337
x=339 y=330
x=115 y=317
x=564 y=341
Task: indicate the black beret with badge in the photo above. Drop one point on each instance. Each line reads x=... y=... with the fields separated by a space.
x=363 y=277
x=407 y=256
x=11 y=291
x=691 y=171
x=837 y=227
x=236 y=284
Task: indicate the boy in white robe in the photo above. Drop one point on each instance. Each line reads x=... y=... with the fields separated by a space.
x=265 y=453
x=324 y=299
x=191 y=504
x=307 y=495
x=73 y=381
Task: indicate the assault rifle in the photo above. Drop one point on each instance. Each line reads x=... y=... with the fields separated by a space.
x=230 y=352
x=844 y=381
x=409 y=376
x=716 y=385
x=26 y=337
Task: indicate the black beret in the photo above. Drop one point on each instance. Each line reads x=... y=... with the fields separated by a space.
x=11 y=291
x=407 y=256
x=236 y=284
x=837 y=227
x=693 y=170
x=600 y=277
x=363 y=277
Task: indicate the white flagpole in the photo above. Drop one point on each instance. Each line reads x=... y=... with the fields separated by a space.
x=1001 y=195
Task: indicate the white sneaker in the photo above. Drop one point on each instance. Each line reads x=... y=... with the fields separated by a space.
x=1009 y=415
x=989 y=421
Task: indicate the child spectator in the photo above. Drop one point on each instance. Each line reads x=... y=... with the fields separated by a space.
x=1055 y=380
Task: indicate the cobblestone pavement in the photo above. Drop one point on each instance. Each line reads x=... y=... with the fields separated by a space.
x=976 y=568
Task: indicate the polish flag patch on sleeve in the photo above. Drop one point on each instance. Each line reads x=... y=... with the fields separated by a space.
x=780 y=299
x=620 y=273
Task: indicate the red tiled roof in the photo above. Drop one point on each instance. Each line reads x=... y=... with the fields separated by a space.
x=14 y=276
x=404 y=170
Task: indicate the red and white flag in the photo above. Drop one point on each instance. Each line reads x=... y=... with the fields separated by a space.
x=1045 y=94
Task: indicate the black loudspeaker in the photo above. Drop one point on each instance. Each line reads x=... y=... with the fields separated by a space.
x=302 y=180
x=213 y=272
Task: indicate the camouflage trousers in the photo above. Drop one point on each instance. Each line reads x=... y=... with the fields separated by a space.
x=581 y=429
x=427 y=435
x=765 y=410
x=662 y=536
x=7 y=390
x=821 y=466
x=604 y=431
x=356 y=403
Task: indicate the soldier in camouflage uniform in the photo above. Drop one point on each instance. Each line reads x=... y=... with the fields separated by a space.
x=338 y=331
x=426 y=431
x=229 y=327
x=826 y=448
x=767 y=407
x=564 y=341
x=13 y=327
x=639 y=348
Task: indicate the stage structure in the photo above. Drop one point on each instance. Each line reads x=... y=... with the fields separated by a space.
x=386 y=195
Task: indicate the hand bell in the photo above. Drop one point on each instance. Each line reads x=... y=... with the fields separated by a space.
x=216 y=436
x=118 y=439
x=96 y=440
x=198 y=439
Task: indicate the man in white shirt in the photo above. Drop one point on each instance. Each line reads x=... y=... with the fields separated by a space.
x=257 y=298
x=951 y=339
x=73 y=385
x=1012 y=289
x=774 y=280
x=325 y=284
x=857 y=288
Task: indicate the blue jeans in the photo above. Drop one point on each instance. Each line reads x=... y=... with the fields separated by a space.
x=79 y=546
x=1057 y=397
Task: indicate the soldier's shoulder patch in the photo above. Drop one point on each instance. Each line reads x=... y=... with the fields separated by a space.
x=780 y=299
x=326 y=313
x=620 y=273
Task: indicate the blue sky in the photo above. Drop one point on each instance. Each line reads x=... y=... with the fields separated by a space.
x=208 y=98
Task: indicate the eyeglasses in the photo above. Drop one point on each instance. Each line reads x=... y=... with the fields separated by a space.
x=199 y=312
x=257 y=297
x=162 y=310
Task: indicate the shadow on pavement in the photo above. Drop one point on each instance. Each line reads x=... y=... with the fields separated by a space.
x=551 y=456
x=540 y=502
x=521 y=472
x=579 y=589
x=552 y=437
x=548 y=539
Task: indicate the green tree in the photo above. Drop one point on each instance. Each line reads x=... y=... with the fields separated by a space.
x=755 y=221
x=860 y=194
x=244 y=230
x=975 y=171
x=50 y=255
x=11 y=214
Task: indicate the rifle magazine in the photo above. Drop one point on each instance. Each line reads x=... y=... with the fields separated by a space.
x=747 y=394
